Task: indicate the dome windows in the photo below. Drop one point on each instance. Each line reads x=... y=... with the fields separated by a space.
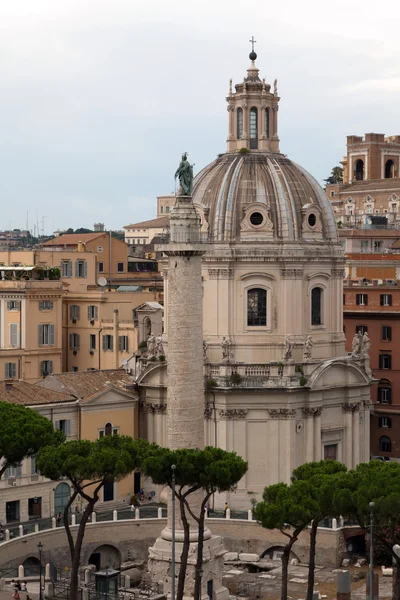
x=267 y=122
x=253 y=128
x=256 y=218
x=312 y=220
x=256 y=307
x=239 y=124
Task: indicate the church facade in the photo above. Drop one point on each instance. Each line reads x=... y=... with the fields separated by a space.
x=279 y=387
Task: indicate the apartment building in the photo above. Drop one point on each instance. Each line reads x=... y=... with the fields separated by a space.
x=30 y=323
x=84 y=406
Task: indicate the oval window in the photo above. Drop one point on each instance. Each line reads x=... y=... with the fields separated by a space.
x=312 y=219
x=256 y=218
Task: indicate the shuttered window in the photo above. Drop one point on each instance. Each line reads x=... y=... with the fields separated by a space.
x=108 y=342
x=123 y=343
x=46 y=367
x=80 y=268
x=386 y=299
x=45 y=305
x=14 y=305
x=74 y=312
x=385 y=422
x=385 y=361
x=93 y=313
x=74 y=341
x=46 y=335
x=362 y=299
x=14 y=335
x=10 y=370
x=66 y=268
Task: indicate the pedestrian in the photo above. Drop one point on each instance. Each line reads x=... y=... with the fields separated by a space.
x=28 y=597
x=23 y=586
x=16 y=595
x=59 y=519
x=226 y=509
x=18 y=586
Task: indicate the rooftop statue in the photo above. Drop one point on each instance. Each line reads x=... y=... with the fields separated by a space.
x=185 y=174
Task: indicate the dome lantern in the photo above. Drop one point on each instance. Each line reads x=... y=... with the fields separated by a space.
x=253 y=113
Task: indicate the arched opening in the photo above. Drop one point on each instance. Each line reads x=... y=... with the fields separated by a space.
x=256 y=307
x=389 y=169
x=31 y=566
x=62 y=495
x=239 y=123
x=316 y=306
x=105 y=557
x=385 y=444
x=359 y=170
x=253 y=128
x=108 y=429
x=267 y=122
x=146 y=327
x=275 y=553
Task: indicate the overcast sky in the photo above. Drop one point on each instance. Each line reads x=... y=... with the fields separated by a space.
x=98 y=98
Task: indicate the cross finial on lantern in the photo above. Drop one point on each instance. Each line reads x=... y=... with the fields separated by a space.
x=252 y=42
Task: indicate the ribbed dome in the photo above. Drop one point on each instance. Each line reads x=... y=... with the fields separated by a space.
x=234 y=181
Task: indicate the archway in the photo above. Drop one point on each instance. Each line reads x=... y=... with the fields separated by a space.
x=31 y=566
x=389 y=169
x=62 y=495
x=105 y=556
x=359 y=170
x=275 y=553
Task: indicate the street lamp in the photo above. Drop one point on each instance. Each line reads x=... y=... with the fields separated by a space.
x=173 y=467
x=40 y=547
x=371 y=551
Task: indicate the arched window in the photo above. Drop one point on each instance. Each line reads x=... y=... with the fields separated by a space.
x=389 y=169
x=316 y=306
x=146 y=327
x=385 y=444
x=267 y=122
x=239 y=123
x=359 y=170
x=256 y=307
x=108 y=429
x=253 y=128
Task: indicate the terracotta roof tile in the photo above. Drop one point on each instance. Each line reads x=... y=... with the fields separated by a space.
x=83 y=384
x=29 y=394
x=72 y=239
x=159 y=222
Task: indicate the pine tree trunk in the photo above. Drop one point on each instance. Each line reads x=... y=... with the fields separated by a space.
x=76 y=558
x=311 y=564
x=185 y=552
x=285 y=566
x=200 y=550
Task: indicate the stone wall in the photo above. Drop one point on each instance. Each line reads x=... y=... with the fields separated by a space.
x=138 y=536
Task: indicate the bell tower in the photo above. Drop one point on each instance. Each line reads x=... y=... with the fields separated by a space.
x=253 y=112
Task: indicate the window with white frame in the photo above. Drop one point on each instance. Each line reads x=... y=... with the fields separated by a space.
x=364 y=246
x=46 y=335
x=386 y=299
x=386 y=333
x=384 y=395
x=256 y=307
x=385 y=422
x=13 y=471
x=45 y=305
x=362 y=299
x=378 y=245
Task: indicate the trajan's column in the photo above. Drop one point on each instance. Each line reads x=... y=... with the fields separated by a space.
x=185 y=397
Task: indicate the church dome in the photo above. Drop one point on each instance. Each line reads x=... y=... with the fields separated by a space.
x=256 y=195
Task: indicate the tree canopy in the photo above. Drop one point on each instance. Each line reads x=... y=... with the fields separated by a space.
x=88 y=466
x=336 y=176
x=23 y=432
